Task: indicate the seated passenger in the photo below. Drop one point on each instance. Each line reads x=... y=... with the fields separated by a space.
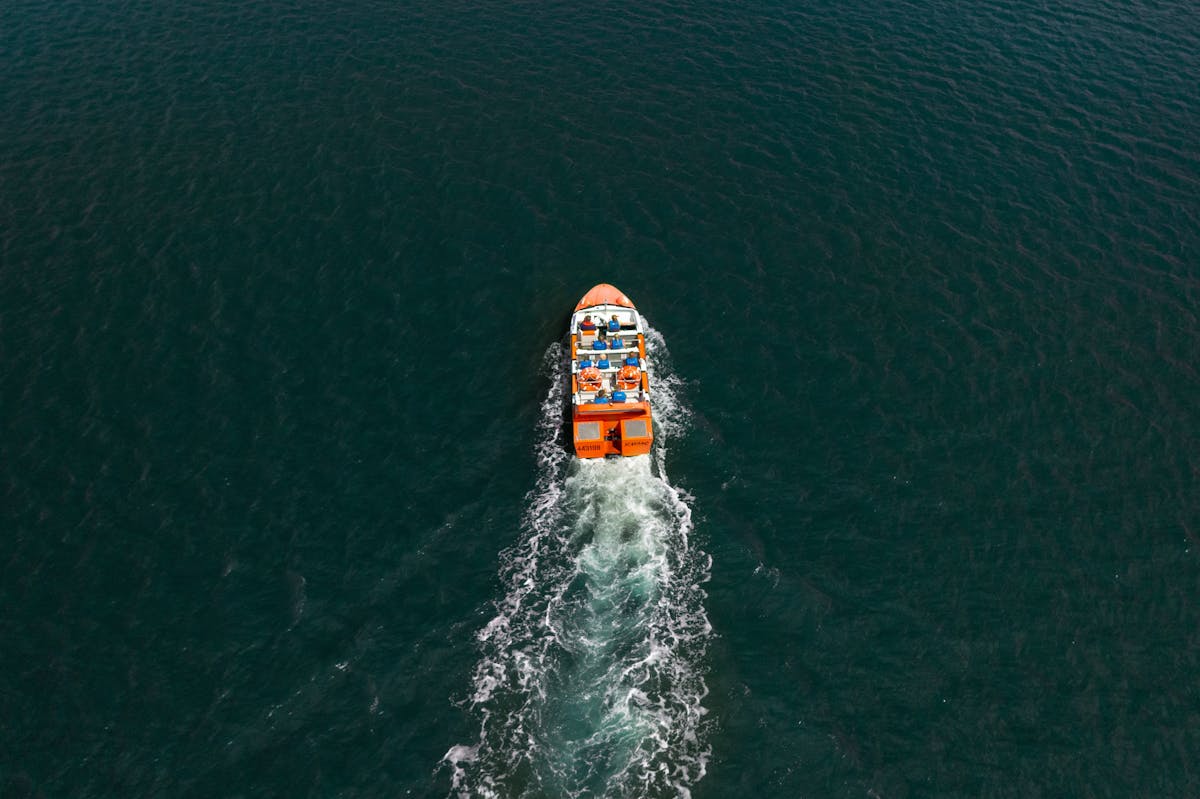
x=614 y=324
x=587 y=323
x=633 y=360
x=603 y=363
x=601 y=397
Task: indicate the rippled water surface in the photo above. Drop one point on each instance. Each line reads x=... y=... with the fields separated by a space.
x=283 y=513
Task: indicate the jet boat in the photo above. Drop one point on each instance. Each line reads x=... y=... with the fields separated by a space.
x=610 y=383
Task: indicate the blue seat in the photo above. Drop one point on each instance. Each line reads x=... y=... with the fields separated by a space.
x=631 y=360
x=618 y=396
x=602 y=363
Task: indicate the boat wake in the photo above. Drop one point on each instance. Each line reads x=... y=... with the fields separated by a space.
x=590 y=678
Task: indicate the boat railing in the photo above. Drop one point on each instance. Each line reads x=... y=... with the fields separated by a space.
x=588 y=398
x=597 y=353
x=607 y=370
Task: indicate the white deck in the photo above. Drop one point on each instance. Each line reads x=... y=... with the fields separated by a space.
x=630 y=333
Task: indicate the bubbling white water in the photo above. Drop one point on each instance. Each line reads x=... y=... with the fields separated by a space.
x=590 y=678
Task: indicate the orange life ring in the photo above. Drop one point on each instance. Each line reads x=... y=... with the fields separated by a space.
x=589 y=378
x=629 y=377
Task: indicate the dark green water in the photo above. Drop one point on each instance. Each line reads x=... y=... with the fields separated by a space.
x=277 y=288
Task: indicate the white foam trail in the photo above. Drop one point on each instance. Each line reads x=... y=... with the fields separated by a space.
x=590 y=677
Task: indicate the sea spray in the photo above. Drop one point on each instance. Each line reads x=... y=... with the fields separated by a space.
x=590 y=680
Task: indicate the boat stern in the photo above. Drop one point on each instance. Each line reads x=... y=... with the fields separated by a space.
x=599 y=431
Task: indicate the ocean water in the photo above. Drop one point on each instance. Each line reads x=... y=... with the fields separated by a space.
x=284 y=505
